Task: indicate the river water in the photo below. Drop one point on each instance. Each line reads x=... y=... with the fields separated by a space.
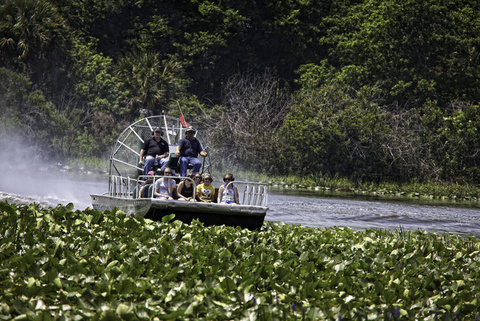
x=293 y=206
x=359 y=212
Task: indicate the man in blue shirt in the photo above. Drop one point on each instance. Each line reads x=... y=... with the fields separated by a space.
x=187 y=151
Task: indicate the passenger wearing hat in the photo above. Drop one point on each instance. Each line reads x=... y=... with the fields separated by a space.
x=187 y=151
x=155 y=150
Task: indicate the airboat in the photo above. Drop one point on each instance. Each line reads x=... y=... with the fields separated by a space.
x=126 y=178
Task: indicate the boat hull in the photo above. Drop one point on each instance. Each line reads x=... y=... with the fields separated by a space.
x=245 y=216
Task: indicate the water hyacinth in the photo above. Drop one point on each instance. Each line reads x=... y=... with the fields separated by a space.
x=58 y=263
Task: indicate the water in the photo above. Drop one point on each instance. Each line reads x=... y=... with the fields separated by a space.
x=51 y=188
x=322 y=210
x=305 y=207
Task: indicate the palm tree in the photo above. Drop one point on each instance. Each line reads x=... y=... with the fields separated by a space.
x=29 y=27
x=149 y=81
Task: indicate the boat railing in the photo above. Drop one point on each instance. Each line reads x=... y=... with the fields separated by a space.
x=122 y=186
x=250 y=193
x=127 y=187
x=158 y=177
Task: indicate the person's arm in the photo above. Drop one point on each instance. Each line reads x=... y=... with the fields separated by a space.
x=179 y=148
x=197 y=195
x=177 y=152
x=171 y=186
x=220 y=194
x=212 y=196
x=142 y=153
x=236 y=195
x=159 y=157
x=179 y=190
x=202 y=152
x=164 y=155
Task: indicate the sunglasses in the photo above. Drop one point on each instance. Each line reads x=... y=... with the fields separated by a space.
x=227 y=179
x=158 y=132
x=198 y=177
x=167 y=172
x=208 y=179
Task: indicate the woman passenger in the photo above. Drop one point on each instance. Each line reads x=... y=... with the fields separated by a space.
x=185 y=190
x=164 y=187
x=230 y=191
x=205 y=191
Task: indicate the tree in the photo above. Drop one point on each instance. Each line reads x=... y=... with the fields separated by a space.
x=214 y=40
x=255 y=106
x=88 y=93
x=149 y=81
x=417 y=49
x=27 y=113
x=337 y=131
x=31 y=32
x=453 y=141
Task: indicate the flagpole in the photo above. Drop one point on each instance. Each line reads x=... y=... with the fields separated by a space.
x=181 y=112
x=182 y=118
x=179 y=108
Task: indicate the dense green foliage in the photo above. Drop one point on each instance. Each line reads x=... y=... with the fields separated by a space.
x=372 y=90
x=58 y=263
x=415 y=50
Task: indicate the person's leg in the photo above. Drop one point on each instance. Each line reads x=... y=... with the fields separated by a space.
x=197 y=164
x=149 y=160
x=164 y=163
x=183 y=165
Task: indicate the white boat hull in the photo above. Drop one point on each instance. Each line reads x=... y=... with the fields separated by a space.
x=245 y=216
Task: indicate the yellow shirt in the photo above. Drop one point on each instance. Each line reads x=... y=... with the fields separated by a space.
x=206 y=193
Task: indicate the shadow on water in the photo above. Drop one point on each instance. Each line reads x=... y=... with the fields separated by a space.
x=327 y=209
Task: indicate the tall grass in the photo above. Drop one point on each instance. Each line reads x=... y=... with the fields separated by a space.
x=91 y=164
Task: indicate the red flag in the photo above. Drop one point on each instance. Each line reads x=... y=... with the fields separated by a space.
x=183 y=122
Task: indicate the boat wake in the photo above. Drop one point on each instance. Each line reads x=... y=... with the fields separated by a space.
x=22 y=200
x=50 y=189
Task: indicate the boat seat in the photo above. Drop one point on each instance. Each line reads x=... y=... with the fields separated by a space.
x=175 y=165
x=147 y=191
x=150 y=191
x=173 y=162
x=135 y=192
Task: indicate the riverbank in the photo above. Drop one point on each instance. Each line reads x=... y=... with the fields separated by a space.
x=324 y=182
x=86 y=165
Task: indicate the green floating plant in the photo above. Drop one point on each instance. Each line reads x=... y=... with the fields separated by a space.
x=58 y=263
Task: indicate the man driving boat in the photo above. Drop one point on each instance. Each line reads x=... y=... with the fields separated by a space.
x=187 y=151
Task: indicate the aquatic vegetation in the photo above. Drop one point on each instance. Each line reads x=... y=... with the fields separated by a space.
x=58 y=263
